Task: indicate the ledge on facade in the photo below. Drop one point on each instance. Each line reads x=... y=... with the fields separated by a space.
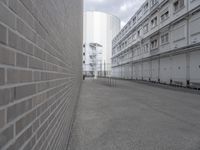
x=192 y=47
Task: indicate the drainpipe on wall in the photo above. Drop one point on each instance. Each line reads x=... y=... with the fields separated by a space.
x=188 y=54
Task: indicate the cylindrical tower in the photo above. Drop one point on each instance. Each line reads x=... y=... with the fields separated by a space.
x=99 y=28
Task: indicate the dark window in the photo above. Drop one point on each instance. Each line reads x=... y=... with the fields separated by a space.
x=134 y=20
x=165 y=38
x=145 y=28
x=139 y=33
x=178 y=4
x=165 y=16
x=154 y=22
x=154 y=44
x=146 y=6
x=153 y=2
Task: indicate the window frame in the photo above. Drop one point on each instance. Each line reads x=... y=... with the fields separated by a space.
x=146 y=7
x=154 y=47
x=153 y=2
x=134 y=20
x=134 y=36
x=146 y=48
x=139 y=14
x=179 y=6
x=139 y=32
x=154 y=24
x=147 y=28
x=163 y=38
x=163 y=14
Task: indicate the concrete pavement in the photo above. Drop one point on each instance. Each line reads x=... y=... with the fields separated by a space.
x=135 y=116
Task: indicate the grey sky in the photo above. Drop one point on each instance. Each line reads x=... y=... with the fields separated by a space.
x=124 y=9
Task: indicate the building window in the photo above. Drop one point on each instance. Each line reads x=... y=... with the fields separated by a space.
x=146 y=7
x=122 y=45
x=178 y=5
x=139 y=51
x=139 y=14
x=146 y=48
x=154 y=22
x=84 y=54
x=134 y=37
x=145 y=28
x=139 y=33
x=165 y=38
x=154 y=44
x=134 y=20
x=165 y=16
x=153 y=2
x=84 y=62
x=125 y=44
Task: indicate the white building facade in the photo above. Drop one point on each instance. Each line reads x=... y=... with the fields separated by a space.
x=99 y=28
x=160 y=43
x=92 y=59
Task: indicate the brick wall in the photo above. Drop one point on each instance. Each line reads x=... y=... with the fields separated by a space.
x=40 y=72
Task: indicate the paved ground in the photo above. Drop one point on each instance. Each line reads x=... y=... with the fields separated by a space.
x=135 y=116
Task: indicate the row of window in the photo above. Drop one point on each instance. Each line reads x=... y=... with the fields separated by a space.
x=153 y=23
x=177 y=6
x=164 y=39
x=154 y=44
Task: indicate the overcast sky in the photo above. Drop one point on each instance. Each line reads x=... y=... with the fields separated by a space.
x=124 y=9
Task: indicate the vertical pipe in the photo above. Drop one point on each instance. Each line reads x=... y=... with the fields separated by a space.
x=159 y=69
x=188 y=69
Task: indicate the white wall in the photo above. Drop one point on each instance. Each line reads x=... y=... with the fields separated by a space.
x=178 y=65
x=155 y=70
x=195 y=67
x=175 y=68
x=194 y=28
x=176 y=60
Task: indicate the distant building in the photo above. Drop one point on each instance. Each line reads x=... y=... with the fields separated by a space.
x=92 y=59
x=161 y=43
x=99 y=30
